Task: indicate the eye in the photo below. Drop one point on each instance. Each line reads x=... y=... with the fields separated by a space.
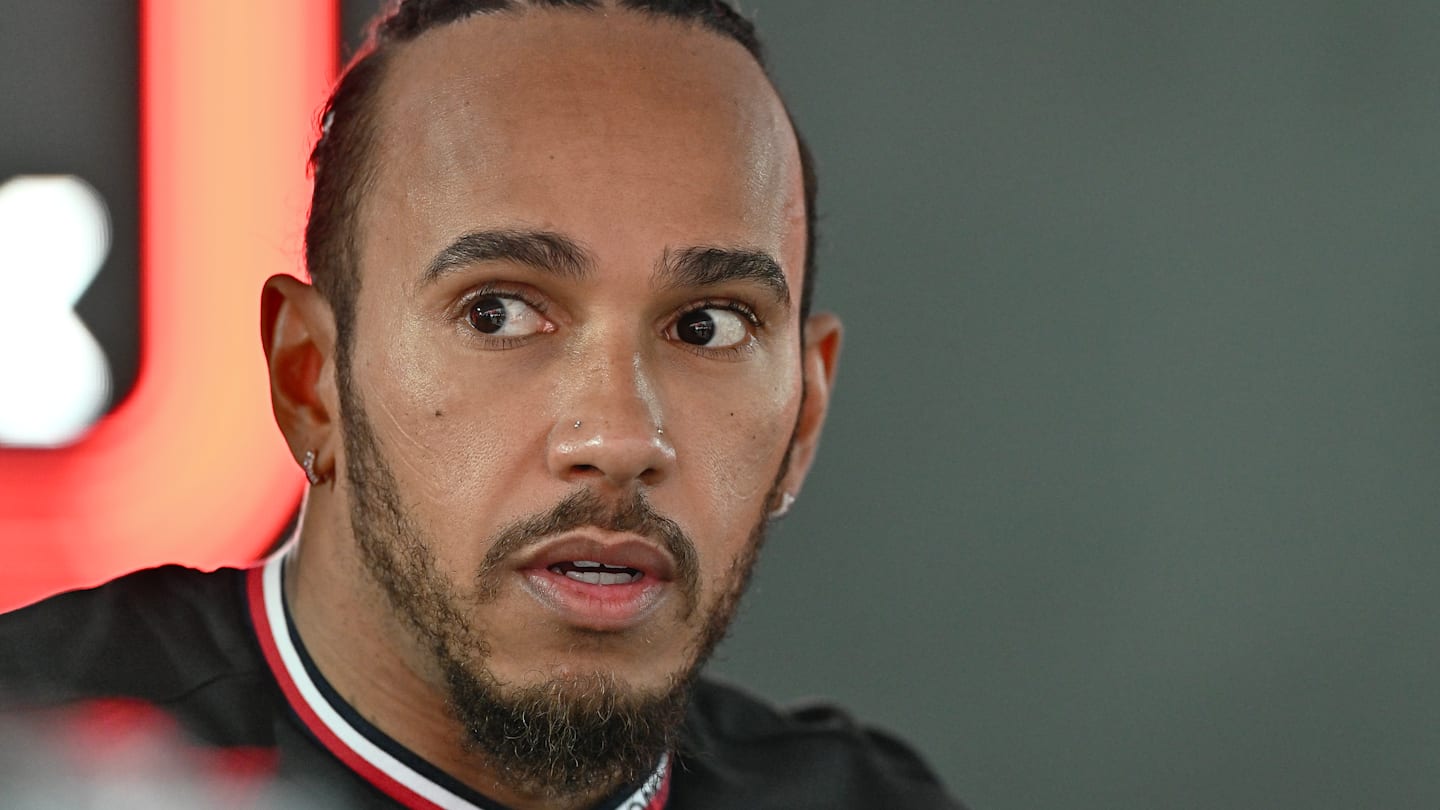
x=713 y=328
x=505 y=316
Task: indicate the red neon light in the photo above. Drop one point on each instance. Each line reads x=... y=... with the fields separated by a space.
x=191 y=467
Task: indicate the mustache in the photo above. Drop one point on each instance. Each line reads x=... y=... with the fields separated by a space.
x=583 y=508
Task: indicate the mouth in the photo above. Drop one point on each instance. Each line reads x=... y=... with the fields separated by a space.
x=591 y=572
x=600 y=581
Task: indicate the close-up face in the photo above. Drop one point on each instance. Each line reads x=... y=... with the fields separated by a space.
x=577 y=340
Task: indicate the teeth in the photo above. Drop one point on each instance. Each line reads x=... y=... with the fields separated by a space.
x=601 y=577
x=585 y=564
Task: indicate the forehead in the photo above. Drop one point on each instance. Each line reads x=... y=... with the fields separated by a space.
x=625 y=128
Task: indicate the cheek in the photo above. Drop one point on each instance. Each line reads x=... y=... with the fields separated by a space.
x=739 y=450
x=742 y=456
x=445 y=429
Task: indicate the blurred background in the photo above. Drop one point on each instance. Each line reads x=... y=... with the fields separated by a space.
x=1130 y=492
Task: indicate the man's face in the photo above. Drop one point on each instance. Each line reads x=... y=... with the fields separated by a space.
x=581 y=263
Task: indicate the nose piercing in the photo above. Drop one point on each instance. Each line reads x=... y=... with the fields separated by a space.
x=660 y=431
x=577 y=424
x=308 y=463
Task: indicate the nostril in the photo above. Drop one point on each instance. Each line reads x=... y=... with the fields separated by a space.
x=622 y=453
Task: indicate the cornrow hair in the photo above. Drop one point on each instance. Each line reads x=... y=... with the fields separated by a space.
x=341 y=161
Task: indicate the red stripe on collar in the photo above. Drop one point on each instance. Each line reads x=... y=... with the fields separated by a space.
x=268 y=634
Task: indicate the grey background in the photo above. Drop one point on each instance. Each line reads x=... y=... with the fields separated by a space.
x=1129 y=494
x=1129 y=498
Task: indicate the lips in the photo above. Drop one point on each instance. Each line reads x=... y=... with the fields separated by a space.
x=608 y=549
x=598 y=580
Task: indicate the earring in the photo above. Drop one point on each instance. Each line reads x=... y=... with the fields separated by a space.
x=309 y=464
x=786 y=501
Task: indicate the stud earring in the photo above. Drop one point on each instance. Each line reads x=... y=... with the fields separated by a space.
x=786 y=501
x=309 y=464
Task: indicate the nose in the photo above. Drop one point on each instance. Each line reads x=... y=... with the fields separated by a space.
x=611 y=431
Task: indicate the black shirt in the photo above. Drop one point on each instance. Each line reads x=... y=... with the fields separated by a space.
x=217 y=653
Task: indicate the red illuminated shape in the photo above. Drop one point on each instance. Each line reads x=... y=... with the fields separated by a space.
x=190 y=468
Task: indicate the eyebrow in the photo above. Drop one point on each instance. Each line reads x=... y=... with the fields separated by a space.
x=540 y=250
x=547 y=251
x=708 y=266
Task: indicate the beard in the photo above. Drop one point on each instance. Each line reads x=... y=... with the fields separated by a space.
x=571 y=735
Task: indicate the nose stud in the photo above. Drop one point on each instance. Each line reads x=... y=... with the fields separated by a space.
x=577 y=424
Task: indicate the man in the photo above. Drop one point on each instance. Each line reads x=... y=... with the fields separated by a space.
x=556 y=373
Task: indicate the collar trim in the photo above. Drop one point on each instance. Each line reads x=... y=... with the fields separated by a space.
x=356 y=750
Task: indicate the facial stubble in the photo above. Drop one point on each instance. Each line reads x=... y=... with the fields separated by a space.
x=571 y=734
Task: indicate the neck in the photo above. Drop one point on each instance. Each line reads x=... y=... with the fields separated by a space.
x=375 y=664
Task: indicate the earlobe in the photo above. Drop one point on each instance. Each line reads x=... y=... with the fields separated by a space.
x=820 y=355
x=297 y=330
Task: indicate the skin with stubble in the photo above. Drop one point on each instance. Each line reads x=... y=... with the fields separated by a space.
x=577 y=338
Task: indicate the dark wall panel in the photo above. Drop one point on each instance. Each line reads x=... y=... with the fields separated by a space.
x=69 y=88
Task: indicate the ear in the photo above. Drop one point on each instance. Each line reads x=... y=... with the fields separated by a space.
x=297 y=329
x=819 y=357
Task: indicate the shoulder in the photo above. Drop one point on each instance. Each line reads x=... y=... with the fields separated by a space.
x=171 y=636
x=739 y=748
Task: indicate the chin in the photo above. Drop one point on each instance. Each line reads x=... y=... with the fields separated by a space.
x=564 y=731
